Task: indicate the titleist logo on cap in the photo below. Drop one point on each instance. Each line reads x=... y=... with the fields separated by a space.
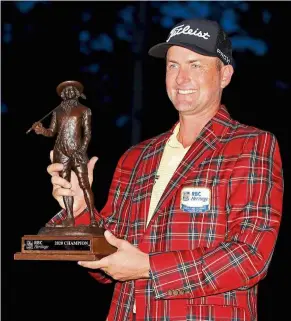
x=188 y=31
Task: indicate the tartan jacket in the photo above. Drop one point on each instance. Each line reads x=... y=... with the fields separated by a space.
x=203 y=265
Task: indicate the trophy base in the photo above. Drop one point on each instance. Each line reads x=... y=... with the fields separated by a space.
x=55 y=257
x=81 y=243
x=72 y=231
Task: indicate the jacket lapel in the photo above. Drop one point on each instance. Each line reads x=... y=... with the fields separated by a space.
x=203 y=147
x=145 y=179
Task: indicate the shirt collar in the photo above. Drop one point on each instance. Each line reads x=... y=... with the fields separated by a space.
x=173 y=141
x=219 y=124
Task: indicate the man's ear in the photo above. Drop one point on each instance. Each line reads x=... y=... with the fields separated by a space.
x=226 y=74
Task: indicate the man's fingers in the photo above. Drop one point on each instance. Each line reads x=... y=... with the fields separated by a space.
x=100 y=264
x=54 y=169
x=59 y=191
x=51 y=155
x=112 y=239
x=57 y=180
x=92 y=162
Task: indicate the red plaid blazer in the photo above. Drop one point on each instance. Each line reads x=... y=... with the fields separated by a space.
x=204 y=265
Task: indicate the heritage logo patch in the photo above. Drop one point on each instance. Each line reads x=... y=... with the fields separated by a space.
x=195 y=199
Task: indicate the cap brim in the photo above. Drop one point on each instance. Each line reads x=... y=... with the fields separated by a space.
x=160 y=50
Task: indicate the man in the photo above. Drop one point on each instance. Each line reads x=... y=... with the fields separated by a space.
x=195 y=211
x=72 y=121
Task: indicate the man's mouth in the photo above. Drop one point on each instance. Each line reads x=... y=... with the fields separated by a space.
x=186 y=92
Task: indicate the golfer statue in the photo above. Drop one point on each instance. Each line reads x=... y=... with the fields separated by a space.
x=71 y=121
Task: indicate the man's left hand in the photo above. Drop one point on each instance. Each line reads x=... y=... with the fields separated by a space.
x=127 y=263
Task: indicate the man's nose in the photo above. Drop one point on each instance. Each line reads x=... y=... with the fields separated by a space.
x=183 y=76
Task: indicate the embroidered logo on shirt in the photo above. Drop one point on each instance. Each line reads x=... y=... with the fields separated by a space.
x=195 y=199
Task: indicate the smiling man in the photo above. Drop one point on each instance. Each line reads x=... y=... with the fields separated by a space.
x=195 y=211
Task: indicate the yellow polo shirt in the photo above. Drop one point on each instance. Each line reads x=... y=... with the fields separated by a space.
x=172 y=156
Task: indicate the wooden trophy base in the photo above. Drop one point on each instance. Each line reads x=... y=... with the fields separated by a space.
x=81 y=243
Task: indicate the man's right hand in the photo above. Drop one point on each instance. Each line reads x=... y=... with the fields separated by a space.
x=62 y=187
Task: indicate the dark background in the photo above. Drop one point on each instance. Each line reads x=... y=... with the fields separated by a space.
x=104 y=45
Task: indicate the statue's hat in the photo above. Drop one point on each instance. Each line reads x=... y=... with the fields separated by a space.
x=67 y=83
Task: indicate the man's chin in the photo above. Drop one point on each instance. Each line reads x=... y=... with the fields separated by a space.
x=183 y=106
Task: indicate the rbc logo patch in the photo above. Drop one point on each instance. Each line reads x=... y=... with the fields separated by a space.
x=186 y=196
x=195 y=199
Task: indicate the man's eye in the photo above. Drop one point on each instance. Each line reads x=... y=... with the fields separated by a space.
x=195 y=66
x=173 y=66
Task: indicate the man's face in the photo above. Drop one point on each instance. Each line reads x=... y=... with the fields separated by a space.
x=194 y=82
x=70 y=92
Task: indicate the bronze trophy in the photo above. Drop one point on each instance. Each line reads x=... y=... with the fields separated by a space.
x=71 y=121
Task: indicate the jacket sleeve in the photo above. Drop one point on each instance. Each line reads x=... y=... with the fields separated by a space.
x=113 y=213
x=254 y=205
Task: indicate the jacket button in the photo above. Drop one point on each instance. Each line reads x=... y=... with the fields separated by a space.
x=176 y=292
x=181 y=292
x=170 y=292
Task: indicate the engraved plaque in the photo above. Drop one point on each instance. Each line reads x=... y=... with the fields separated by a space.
x=66 y=248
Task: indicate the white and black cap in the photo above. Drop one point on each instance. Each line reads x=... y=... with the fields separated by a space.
x=205 y=37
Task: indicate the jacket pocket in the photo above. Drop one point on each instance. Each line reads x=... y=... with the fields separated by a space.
x=215 y=312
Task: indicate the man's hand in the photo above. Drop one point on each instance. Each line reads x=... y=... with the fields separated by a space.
x=127 y=263
x=62 y=187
